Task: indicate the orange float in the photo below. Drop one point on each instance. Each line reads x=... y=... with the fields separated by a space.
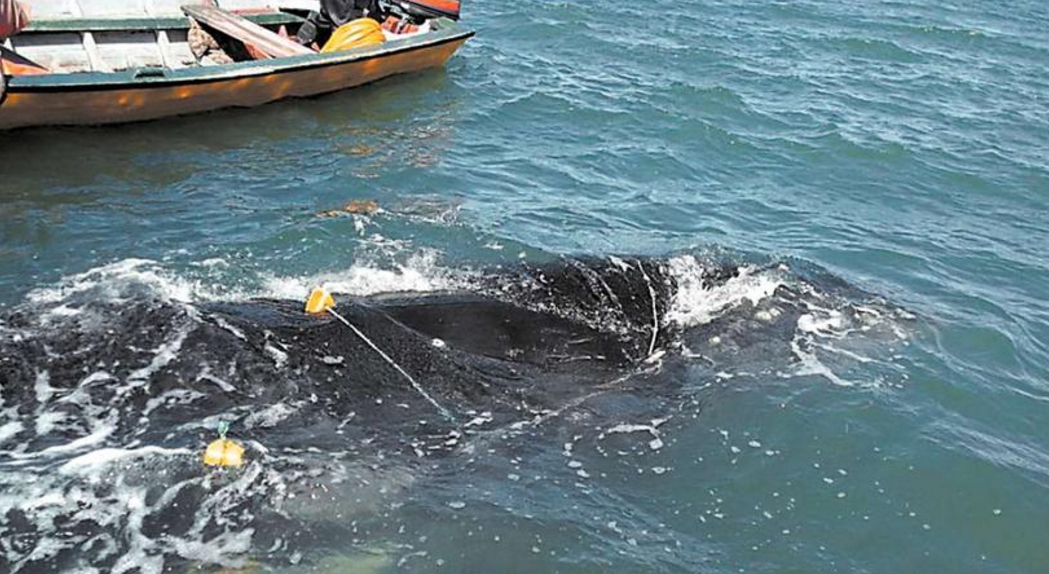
x=358 y=33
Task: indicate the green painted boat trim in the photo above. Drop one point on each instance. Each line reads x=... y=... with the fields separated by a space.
x=446 y=31
x=143 y=24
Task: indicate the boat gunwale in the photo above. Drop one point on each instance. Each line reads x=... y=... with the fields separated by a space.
x=448 y=32
x=142 y=23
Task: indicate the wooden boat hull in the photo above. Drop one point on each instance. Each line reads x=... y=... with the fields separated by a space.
x=146 y=94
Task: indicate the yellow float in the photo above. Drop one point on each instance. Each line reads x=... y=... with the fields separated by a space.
x=320 y=301
x=223 y=452
x=358 y=33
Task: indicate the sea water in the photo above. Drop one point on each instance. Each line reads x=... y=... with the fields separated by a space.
x=891 y=156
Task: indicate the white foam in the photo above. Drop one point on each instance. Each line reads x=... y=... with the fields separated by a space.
x=46 y=422
x=10 y=430
x=219 y=549
x=96 y=377
x=81 y=395
x=130 y=279
x=280 y=358
x=652 y=428
x=43 y=388
x=696 y=304
x=139 y=557
x=420 y=274
x=65 y=311
x=44 y=549
x=49 y=499
x=832 y=322
x=101 y=433
x=111 y=281
x=96 y=461
x=810 y=364
x=226 y=325
x=269 y=417
x=162 y=357
x=172 y=397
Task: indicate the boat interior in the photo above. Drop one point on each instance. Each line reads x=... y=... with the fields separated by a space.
x=72 y=36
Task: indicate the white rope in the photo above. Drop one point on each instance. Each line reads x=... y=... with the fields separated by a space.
x=444 y=412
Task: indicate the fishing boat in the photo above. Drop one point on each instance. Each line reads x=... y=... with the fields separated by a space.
x=93 y=62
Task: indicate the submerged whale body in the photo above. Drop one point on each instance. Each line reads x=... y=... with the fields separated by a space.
x=520 y=342
x=111 y=399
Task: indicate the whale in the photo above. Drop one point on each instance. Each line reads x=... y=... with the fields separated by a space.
x=107 y=402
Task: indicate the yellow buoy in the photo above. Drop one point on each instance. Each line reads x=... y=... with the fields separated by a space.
x=320 y=301
x=360 y=32
x=225 y=453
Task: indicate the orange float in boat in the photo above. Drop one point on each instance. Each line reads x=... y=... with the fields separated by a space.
x=358 y=33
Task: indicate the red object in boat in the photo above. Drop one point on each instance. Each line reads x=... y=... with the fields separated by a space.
x=395 y=25
x=13 y=17
x=446 y=8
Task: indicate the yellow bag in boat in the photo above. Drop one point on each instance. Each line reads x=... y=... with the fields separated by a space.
x=360 y=32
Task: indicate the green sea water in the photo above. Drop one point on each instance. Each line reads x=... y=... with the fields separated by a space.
x=900 y=147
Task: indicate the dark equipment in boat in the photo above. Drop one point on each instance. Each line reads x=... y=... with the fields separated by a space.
x=319 y=26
